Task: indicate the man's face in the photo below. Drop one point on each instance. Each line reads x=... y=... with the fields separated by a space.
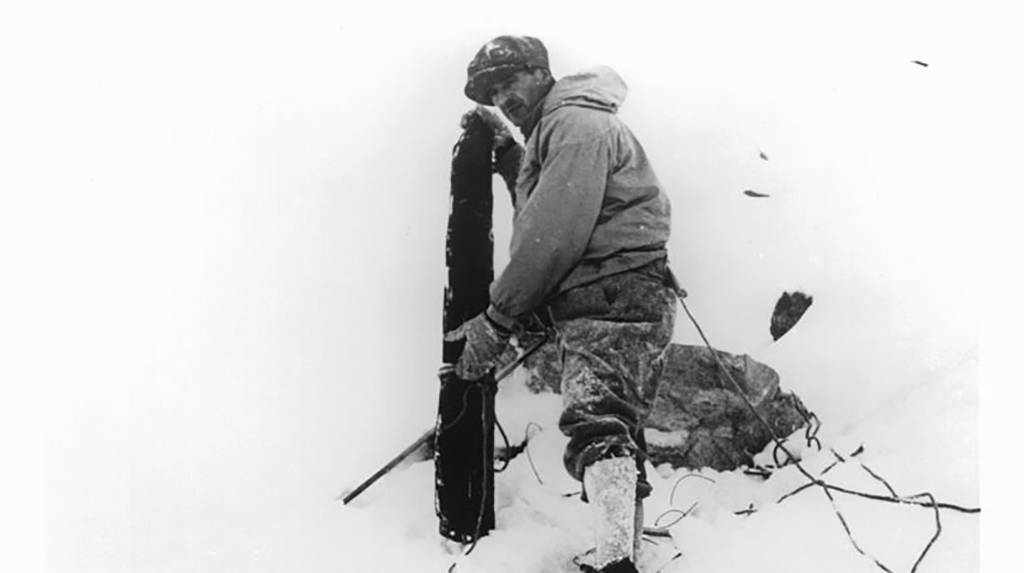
x=516 y=95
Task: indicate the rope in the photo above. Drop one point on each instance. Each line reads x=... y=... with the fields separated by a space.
x=504 y=438
x=668 y=512
x=672 y=494
x=485 y=483
x=826 y=487
x=462 y=411
x=739 y=391
x=529 y=457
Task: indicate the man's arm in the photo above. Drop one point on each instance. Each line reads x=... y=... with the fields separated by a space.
x=554 y=225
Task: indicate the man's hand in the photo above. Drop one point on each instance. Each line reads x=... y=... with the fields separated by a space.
x=502 y=135
x=485 y=340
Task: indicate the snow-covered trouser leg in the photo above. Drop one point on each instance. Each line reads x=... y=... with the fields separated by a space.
x=613 y=335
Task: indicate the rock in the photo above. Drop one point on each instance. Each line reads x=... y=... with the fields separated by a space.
x=699 y=419
x=789 y=309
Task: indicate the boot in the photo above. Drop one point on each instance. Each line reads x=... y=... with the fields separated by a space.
x=611 y=489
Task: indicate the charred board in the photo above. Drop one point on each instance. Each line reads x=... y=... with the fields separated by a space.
x=464 y=436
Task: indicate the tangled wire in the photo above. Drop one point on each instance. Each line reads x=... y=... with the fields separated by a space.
x=813 y=424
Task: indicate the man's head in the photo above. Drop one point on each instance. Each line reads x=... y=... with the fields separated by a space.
x=510 y=72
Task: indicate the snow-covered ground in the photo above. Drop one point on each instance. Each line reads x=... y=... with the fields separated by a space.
x=224 y=226
x=541 y=526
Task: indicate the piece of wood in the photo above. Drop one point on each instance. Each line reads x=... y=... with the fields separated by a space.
x=464 y=437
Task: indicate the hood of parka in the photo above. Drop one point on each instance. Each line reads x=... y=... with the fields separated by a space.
x=596 y=88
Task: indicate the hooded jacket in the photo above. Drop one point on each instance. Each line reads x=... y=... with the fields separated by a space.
x=587 y=203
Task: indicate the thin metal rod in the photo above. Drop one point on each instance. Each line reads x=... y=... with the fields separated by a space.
x=429 y=434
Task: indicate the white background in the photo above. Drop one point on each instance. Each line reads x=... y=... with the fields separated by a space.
x=223 y=227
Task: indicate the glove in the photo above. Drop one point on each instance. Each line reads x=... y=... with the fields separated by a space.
x=502 y=135
x=486 y=341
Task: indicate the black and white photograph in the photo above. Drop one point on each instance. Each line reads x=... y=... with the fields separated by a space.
x=521 y=287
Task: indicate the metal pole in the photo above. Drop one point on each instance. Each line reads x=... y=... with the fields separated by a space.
x=429 y=434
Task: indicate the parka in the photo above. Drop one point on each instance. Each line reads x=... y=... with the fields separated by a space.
x=587 y=202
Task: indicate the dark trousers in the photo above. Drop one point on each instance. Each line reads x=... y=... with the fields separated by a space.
x=612 y=338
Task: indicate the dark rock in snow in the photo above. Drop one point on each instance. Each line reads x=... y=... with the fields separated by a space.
x=752 y=193
x=700 y=420
x=789 y=309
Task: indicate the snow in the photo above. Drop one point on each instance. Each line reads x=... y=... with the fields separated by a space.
x=223 y=232
x=541 y=525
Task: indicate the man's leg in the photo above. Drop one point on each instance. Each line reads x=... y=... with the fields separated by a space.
x=613 y=335
x=610 y=374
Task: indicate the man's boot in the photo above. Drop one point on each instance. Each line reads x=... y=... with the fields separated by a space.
x=611 y=490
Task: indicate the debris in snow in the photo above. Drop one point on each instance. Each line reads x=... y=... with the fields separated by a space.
x=788 y=311
x=920 y=63
x=758 y=472
x=508 y=453
x=750 y=510
x=826 y=487
x=762 y=154
x=752 y=193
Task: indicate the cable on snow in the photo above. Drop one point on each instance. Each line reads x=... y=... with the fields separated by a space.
x=813 y=425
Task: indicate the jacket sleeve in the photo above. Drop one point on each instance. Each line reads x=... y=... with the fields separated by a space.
x=554 y=226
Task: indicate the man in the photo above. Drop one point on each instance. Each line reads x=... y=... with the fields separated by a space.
x=588 y=256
